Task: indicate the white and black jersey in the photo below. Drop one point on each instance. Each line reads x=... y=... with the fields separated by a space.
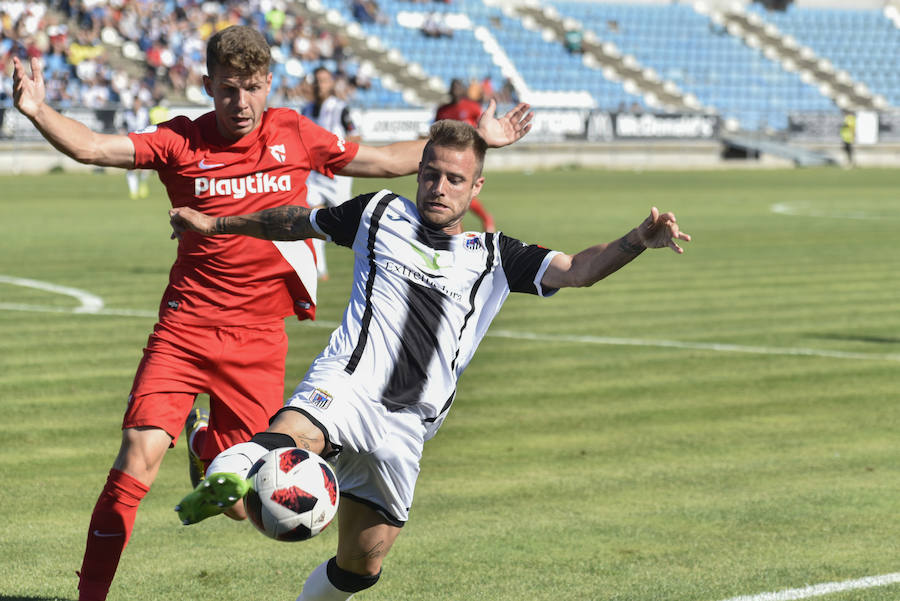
x=421 y=302
x=334 y=116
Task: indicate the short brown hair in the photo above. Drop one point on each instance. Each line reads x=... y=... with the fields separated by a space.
x=460 y=136
x=239 y=48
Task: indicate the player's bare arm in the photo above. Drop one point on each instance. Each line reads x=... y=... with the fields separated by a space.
x=70 y=137
x=505 y=130
x=393 y=160
x=280 y=223
x=402 y=158
x=658 y=230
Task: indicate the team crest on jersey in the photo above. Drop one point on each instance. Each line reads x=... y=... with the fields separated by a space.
x=473 y=242
x=320 y=398
x=278 y=152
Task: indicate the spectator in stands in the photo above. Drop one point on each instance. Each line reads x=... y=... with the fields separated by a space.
x=169 y=36
x=96 y=93
x=463 y=108
x=367 y=11
x=434 y=26
x=573 y=41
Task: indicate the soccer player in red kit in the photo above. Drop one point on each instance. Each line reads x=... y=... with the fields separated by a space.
x=463 y=108
x=221 y=318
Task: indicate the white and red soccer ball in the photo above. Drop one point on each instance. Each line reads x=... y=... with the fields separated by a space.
x=293 y=494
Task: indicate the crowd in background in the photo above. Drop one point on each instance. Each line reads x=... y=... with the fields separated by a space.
x=109 y=53
x=81 y=43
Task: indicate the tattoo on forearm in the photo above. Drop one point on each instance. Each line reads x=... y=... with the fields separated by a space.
x=285 y=223
x=220 y=226
x=629 y=247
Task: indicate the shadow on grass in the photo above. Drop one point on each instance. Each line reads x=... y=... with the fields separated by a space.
x=850 y=338
x=24 y=598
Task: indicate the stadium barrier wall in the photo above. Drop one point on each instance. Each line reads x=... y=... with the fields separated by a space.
x=559 y=138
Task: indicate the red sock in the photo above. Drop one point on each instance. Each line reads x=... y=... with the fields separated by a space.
x=110 y=529
x=486 y=219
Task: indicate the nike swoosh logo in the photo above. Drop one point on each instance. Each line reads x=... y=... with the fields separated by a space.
x=99 y=534
x=204 y=165
x=393 y=217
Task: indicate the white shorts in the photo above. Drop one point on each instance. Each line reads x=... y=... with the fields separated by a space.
x=378 y=462
x=323 y=191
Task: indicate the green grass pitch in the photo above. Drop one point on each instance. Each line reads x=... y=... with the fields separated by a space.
x=694 y=428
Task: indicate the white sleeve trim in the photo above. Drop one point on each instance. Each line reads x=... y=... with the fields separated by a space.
x=540 y=275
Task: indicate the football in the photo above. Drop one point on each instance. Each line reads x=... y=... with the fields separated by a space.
x=293 y=494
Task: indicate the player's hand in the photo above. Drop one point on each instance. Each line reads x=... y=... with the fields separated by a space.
x=28 y=91
x=506 y=129
x=185 y=219
x=660 y=230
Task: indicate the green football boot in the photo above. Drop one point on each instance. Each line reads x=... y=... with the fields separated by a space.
x=212 y=496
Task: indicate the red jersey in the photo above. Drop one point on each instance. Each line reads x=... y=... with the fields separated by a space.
x=462 y=110
x=238 y=280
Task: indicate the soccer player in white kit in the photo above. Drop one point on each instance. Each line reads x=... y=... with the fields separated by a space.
x=424 y=293
x=331 y=113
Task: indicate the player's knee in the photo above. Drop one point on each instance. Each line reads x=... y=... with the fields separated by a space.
x=141 y=452
x=301 y=429
x=350 y=581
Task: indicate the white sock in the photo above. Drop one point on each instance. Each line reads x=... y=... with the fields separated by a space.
x=237 y=459
x=319 y=588
x=131 y=176
x=319 y=247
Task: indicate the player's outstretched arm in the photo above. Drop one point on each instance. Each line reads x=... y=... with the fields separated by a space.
x=658 y=230
x=279 y=223
x=70 y=137
x=503 y=131
x=392 y=160
x=402 y=158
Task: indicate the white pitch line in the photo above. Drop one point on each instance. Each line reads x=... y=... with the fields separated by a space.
x=827 y=588
x=92 y=304
x=701 y=346
x=805 y=209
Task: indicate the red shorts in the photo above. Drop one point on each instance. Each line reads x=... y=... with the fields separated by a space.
x=240 y=367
